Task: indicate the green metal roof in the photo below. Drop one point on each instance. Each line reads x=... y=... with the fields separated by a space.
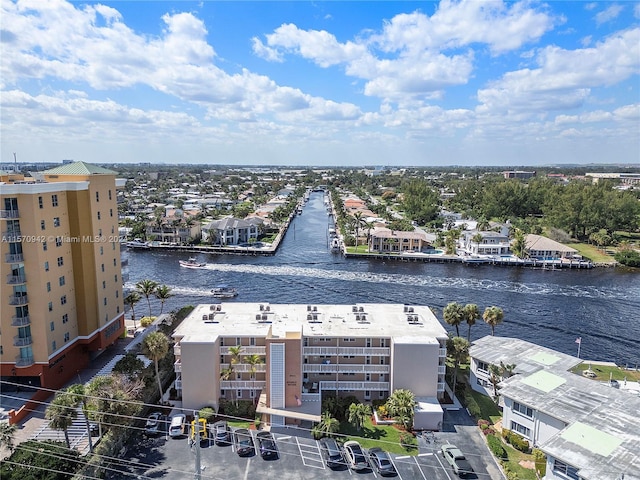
x=545 y=358
x=79 y=168
x=544 y=381
x=594 y=440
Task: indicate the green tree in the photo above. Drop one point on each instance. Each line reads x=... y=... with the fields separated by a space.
x=493 y=316
x=129 y=365
x=78 y=396
x=477 y=239
x=450 y=240
x=61 y=413
x=131 y=300
x=253 y=360
x=358 y=223
x=155 y=346
x=459 y=352
x=495 y=376
x=6 y=435
x=453 y=315
x=401 y=406
x=327 y=426
x=163 y=293
x=358 y=414
x=519 y=244
x=48 y=460
x=471 y=314
x=147 y=288
x=114 y=399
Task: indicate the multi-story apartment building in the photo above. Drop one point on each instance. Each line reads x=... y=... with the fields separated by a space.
x=61 y=286
x=305 y=351
x=587 y=429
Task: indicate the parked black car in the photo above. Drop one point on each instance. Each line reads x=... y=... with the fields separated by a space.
x=267 y=445
x=331 y=453
x=243 y=442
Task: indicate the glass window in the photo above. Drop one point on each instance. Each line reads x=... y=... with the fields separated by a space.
x=104 y=284
x=102 y=266
x=56 y=221
x=52 y=326
x=65 y=318
x=111 y=212
x=105 y=300
x=43 y=225
x=61 y=280
x=48 y=286
x=523 y=409
x=44 y=246
x=60 y=261
x=40 y=202
x=568 y=470
x=51 y=306
x=54 y=200
x=53 y=345
x=63 y=300
x=58 y=241
x=97 y=196
x=66 y=337
x=109 y=194
x=46 y=266
x=101 y=250
x=98 y=215
x=521 y=429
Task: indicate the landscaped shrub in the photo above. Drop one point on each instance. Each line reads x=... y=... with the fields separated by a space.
x=244 y=409
x=482 y=423
x=146 y=321
x=518 y=442
x=496 y=447
x=382 y=411
x=207 y=413
x=629 y=258
x=408 y=441
x=472 y=405
x=541 y=462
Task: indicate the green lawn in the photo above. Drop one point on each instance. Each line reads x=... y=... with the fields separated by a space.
x=386 y=437
x=592 y=252
x=239 y=423
x=604 y=371
x=515 y=456
x=488 y=407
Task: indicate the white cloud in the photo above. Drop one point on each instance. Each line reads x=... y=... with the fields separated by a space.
x=628 y=112
x=608 y=14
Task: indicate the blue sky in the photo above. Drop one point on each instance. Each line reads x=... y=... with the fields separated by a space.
x=321 y=83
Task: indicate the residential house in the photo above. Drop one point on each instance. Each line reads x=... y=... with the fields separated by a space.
x=384 y=240
x=544 y=248
x=232 y=231
x=491 y=243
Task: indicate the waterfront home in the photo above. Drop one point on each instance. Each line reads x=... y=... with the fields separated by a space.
x=544 y=248
x=232 y=231
x=384 y=240
x=491 y=243
x=587 y=429
x=174 y=230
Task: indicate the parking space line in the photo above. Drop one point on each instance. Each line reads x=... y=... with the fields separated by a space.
x=419 y=468
x=443 y=467
x=395 y=466
x=282 y=438
x=311 y=452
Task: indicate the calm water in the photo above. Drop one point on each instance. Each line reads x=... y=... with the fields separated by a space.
x=551 y=308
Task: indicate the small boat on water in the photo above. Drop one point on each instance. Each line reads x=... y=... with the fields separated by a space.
x=137 y=243
x=224 y=291
x=192 y=263
x=335 y=245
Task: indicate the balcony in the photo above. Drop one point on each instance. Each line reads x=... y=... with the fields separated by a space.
x=22 y=341
x=359 y=351
x=245 y=367
x=18 y=300
x=440 y=386
x=442 y=352
x=14 y=257
x=20 y=321
x=243 y=384
x=177 y=350
x=177 y=367
x=11 y=236
x=350 y=386
x=24 y=361
x=261 y=350
x=311 y=397
x=442 y=369
x=344 y=368
x=16 y=279
x=9 y=214
x=178 y=384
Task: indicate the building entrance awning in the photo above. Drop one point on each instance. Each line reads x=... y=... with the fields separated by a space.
x=309 y=411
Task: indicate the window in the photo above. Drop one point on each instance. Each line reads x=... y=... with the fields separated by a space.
x=483 y=366
x=238 y=341
x=43 y=225
x=111 y=212
x=53 y=345
x=40 y=202
x=115 y=278
x=367 y=395
x=63 y=300
x=44 y=246
x=114 y=262
x=102 y=267
x=99 y=232
x=54 y=200
x=367 y=377
x=101 y=250
x=52 y=326
x=117 y=293
x=65 y=318
x=380 y=394
x=109 y=194
x=568 y=470
x=58 y=241
x=46 y=266
x=348 y=340
x=521 y=429
x=252 y=341
x=56 y=221
x=51 y=306
x=98 y=215
x=522 y=409
x=97 y=196
x=48 y=286
x=252 y=394
x=222 y=394
x=238 y=393
x=61 y=281
x=60 y=261
x=105 y=300
x=66 y=337
x=104 y=284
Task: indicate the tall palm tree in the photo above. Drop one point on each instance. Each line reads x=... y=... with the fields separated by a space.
x=163 y=293
x=226 y=374
x=131 y=299
x=369 y=226
x=155 y=346
x=6 y=435
x=61 y=412
x=506 y=369
x=493 y=316
x=235 y=360
x=477 y=238
x=495 y=377
x=147 y=288
x=470 y=313
x=459 y=352
x=78 y=396
x=519 y=245
x=358 y=221
x=253 y=360
x=358 y=414
x=453 y=315
x=328 y=424
x=451 y=237
x=401 y=406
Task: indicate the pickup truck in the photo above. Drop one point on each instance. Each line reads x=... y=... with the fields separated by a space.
x=457 y=460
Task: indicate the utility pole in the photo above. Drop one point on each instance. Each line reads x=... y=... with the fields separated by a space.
x=197 y=443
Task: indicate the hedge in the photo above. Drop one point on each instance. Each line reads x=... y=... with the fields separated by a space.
x=495 y=445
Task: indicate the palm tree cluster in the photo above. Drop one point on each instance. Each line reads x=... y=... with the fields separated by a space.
x=147 y=288
x=401 y=406
x=454 y=314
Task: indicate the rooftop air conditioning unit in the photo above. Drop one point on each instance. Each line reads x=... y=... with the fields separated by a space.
x=406 y=309
x=354 y=308
x=411 y=309
x=308 y=308
x=212 y=307
x=261 y=307
x=315 y=309
x=315 y=316
x=309 y=317
x=258 y=316
x=211 y=315
x=218 y=307
x=264 y=317
x=361 y=309
x=205 y=317
x=267 y=308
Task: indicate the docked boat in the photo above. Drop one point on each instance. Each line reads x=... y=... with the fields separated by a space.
x=224 y=291
x=335 y=245
x=137 y=243
x=476 y=259
x=192 y=263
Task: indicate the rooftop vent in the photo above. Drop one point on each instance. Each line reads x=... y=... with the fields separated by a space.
x=261 y=307
x=309 y=317
x=308 y=308
x=361 y=309
x=410 y=309
x=315 y=309
x=354 y=308
x=258 y=316
x=212 y=307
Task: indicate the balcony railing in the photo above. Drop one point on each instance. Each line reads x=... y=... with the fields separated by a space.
x=344 y=368
x=177 y=367
x=14 y=257
x=177 y=350
x=11 y=236
x=242 y=384
x=16 y=279
x=257 y=350
x=354 y=386
x=245 y=367
x=24 y=361
x=22 y=341
x=360 y=351
x=178 y=384
x=18 y=300
x=441 y=386
x=311 y=397
x=20 y=321
x=442 y=352
x=442 y=369
x=9 y=214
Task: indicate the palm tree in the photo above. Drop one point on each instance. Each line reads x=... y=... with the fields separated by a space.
x=401 y=406
x=483 y=225
x=451 y=237
x=235 y=359
x=131 y=299
x=477 y=238
x=453 y=314
x=253 y=360
x=470 y=313
x=147 y=288
x=506 y=369
x=358 y=414
x=495 y=379
x=61 y=412
x=226 y=374
x=328 y=424
x=493 y=316
x=163 y=293
x=369 y=226
x=6 y=435
x=155 y=346
x=358 y=221
x=78 y=395
x=519 y=245
x=459 y=351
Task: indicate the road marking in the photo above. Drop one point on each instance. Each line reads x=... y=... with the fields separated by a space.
x=443 y=467
x=246 y=470
x=424 y=454
x=282 y=438
x=402 y=457
x=304 y=458
x=396 y=467
x=418 y=465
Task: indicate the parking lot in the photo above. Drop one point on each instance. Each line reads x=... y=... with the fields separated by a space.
x=299 y=457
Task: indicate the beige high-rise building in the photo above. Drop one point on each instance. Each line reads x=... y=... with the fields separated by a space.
x=286 y=357
x=61 y=286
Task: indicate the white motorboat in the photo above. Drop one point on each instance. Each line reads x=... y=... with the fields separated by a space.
x=192 y=263
x=138 y=244
x=224 y=291
x=335 y=245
